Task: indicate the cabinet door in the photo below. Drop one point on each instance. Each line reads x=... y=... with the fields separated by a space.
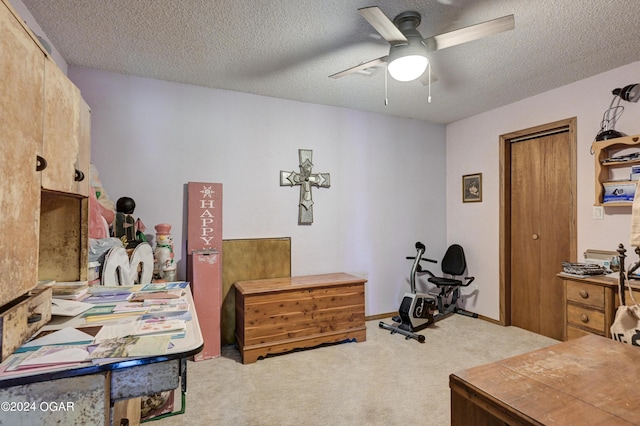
x=21 y=98
x=84 y=148
x=60 y=143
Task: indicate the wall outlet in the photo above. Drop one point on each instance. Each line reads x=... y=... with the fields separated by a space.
x=598 y=212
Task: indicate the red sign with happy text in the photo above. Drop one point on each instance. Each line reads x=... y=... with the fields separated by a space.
x=204 y=227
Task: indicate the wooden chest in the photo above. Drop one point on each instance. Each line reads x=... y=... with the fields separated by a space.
x=282 y=314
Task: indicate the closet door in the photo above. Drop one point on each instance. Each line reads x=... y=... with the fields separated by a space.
x=540 y=231
x=21 y=83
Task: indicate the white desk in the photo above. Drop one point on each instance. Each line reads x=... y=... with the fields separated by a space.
x=94 y=394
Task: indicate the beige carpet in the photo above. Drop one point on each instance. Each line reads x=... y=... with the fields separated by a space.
x=386 y=380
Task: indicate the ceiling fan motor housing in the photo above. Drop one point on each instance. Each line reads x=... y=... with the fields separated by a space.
x=407 y=21
x=408 y=60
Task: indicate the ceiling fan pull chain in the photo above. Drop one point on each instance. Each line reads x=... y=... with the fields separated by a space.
x=386 y=97
x=429 y=71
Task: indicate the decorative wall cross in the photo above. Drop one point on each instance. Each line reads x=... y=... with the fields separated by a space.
x=306 y=180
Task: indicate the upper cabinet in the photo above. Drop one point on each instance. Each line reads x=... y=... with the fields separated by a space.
x=21 y=102
x=67 y=166
x=614 y=163
x=83 y=160
x=44 y=166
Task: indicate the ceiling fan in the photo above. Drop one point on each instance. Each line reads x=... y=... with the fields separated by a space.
x=407 y=59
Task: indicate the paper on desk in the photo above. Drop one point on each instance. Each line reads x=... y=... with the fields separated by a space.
x=130 y=346
x=150 y=345
x=52 y=355
x=68 y=308
x=64 y=336
x=114 y=331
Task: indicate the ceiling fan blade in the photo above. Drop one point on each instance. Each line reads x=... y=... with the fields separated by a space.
x=362 y=66
x=382 y=24
x=473 y=32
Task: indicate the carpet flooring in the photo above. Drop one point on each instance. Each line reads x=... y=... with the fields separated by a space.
x=386 y=380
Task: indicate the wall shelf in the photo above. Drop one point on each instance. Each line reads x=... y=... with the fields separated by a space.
x=603 y=150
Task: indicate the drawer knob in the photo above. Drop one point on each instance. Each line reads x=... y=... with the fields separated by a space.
x=584 y=318
x=584 y=294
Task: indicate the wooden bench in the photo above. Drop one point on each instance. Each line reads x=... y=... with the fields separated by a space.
x=282 y=314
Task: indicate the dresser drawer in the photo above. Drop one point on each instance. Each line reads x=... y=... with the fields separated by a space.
x=586 y=294
x=587 y=318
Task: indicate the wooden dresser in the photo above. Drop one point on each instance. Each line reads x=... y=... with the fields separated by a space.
x=590 y=305
x=282 y=314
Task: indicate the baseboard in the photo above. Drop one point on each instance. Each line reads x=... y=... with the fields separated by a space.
x=381 y=316
x=491 y=320
x=392 y=314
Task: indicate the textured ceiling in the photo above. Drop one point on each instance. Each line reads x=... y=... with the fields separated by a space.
x=288 y=48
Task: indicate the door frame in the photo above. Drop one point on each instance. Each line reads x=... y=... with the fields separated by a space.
x=505 y=204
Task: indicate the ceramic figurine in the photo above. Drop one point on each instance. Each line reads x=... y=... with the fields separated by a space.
x=165 y=268
x=125 y=227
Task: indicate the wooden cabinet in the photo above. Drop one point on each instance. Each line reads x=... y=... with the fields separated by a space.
x=21 y=103
x=608 y=169
x=64 y=110
x=44 y=122
x=64 y=202
x=590 y=305
x=83 y=159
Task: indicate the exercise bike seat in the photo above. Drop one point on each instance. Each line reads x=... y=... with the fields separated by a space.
x=443 y=281
x=453 y=264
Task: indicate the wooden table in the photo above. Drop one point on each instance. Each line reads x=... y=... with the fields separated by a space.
x=587 y=381
x=282 y=314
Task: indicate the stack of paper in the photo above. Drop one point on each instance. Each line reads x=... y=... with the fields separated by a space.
x=65 y=336
x=68 y=308
x=75 y=290
x=103 y=298
x=55 y=355
x=142 y=296
x=130 y=346
x=155 y=326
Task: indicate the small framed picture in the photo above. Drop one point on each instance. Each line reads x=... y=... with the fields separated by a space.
x=472 y=188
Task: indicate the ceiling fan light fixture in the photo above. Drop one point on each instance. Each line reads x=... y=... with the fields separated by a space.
x=407 y=62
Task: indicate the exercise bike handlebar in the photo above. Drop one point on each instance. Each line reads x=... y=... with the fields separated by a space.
x=422 y=258
x=469 y=281
x=416 y=267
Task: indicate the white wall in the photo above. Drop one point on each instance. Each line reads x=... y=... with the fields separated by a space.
x=151 y=137
x=472 y=146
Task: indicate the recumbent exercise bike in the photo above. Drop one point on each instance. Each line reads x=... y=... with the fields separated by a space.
x=417 y=310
